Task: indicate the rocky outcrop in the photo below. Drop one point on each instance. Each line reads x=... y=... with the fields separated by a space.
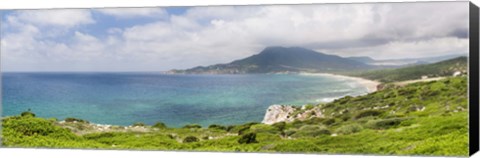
x=287 y=113
x=278 y=113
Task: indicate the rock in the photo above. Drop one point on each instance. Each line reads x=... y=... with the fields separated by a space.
x=278 y=113
x=284 y=113
x=456 y=73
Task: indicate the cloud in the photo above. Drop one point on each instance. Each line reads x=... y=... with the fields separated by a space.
x=63 y=17
x=409 y=49
x=220 y=34
x=127 y=13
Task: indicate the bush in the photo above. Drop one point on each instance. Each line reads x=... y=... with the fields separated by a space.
x=190 y=139
x=27 y=114
x=160 y=125
x=220 y=127
x=309 y=107
x=192 y=126
x=138 y=124
x=241 y=129
x=349 y=129
x=384 y=123
x=280 y=125
x=329 y=121
x=229 y=128
x=29 y=126
x=263 y=128
x=248 y=138
x=70 y=119
x=366 y=113
x=290 y=132
x=311 y=131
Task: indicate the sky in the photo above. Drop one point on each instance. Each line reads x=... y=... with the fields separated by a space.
x=161 y=39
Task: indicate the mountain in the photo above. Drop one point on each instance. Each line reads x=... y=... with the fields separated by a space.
x=363 y=59
x=282 y=59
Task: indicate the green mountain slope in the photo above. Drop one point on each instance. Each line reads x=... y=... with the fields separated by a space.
x=439 y=69
x=282 y=59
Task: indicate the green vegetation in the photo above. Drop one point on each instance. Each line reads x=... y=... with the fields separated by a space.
x=27 y=114
x=425 y=118
x=220 y=127
x=248 y=138
x=70 y=119
x=349 y=129
x=190 y=139
x=192 y=126
x=138 y=124
x=160 y=125
x=443 y=68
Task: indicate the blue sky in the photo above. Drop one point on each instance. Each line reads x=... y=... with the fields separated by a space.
x=160 y=39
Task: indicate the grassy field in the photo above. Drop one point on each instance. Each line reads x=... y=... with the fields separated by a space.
x=429 y=118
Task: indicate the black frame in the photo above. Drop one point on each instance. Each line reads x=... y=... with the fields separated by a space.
x=474 y=138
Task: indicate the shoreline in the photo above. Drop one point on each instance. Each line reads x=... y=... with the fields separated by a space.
x=371 y=85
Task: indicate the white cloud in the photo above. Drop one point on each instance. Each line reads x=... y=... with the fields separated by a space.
x=63 y=17
x=410 y=49
x=126 y=13
x=210 y=35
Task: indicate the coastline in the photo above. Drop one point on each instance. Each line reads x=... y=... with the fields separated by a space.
x=371 y=85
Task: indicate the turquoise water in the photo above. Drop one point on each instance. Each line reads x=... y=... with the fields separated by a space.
x=126 y=98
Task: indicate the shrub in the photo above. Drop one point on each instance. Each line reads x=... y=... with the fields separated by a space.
x=27 y=114
x=241 y=129
x=29 y=126
x=309 y=107
x=248 y=138
x=71 y=119
x=384 y=123
x=329 y=121
x=290 y=132
x=280 y=125
x=344 y=99
x=349 y=129
x=229 y=128
x=138 y=124
x=263 y=128
x=366 y=113
x=160 y=125
x=311 y=131
x=220 y=127
x=192 y=126
x=345 y=117
x=190 y=139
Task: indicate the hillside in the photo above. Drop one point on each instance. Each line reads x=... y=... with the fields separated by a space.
x=405 y=61
x=428 y=118
x=439 y=69
x=282 y=59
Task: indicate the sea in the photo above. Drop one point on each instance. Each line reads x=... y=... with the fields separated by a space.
x=177 y=100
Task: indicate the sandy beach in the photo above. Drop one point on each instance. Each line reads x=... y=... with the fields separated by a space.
x=369 y=84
